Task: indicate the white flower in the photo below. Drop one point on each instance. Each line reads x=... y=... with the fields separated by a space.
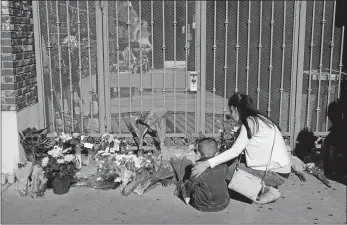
x=119 y=157
x=191 y=147
x=44 y=162
x=99 y=178
x=55 y=152
x=117 y=180
x=60 y=161
x=110 y=138
x=105 y=137
x=69 y=158
x=65 y=137
x=220 y=131
x=75 y=135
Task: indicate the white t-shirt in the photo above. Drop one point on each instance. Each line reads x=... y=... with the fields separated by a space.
x=258 y=148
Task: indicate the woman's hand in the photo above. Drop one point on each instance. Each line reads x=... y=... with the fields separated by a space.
x=199 y=168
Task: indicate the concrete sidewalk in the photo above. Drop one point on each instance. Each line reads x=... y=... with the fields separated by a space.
x=309 y=202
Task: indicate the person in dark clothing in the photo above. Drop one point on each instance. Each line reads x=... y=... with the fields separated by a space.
x=208 y=192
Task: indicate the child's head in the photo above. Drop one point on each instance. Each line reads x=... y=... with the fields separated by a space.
x=207 y=147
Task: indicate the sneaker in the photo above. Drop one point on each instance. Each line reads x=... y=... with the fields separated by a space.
x=269 y=195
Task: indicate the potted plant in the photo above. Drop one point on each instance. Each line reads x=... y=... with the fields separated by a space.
x=59 y=169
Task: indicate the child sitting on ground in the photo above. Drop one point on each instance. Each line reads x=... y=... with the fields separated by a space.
x=209 y=191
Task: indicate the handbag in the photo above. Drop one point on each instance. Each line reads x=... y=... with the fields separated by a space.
x=246 y=183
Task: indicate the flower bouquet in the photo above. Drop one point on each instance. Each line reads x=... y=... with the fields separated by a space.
x=59 y=168
x=120 y=170
x=181 y=165
x=153 y=124
x=312 y=169
x=110 y=144
x=148 y=182
x=35 y=144
x=228 y=133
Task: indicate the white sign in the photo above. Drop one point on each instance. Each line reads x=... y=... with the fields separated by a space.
x=88 y=145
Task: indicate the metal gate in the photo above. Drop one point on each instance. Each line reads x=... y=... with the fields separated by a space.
x=104 y=60
x=149 y=49
x=68 y=57
x=250 y=47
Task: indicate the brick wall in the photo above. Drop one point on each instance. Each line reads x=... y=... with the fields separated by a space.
x=18 y=71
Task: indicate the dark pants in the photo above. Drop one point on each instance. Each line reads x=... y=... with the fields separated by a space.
x=272 y=179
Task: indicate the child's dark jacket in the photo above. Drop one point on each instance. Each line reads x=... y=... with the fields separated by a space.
x=209 y=191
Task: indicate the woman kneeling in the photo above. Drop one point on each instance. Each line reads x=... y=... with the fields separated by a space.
x=260 y=138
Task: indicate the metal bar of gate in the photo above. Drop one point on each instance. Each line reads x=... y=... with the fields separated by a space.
x=331 y=62
x=117 y=50
x=90 y=69
x=60 y=66
x=79 y=63
x=152 y=64
x=248 y=44
x=39 y=64
x=186 y=86
x=141 y=67
x=197 y=97
x=69 y=56
x=164 y=75
x=203 y=67
x=259 y=52
x=198 y=65
x=214 y=66
x=225 y=57
x=340 y=64
x=49 y=47
x=300 y=67
x=308 y=117
x=320 y=68
x=174 y=69
x=270 y=63
x=104 y=78
x=283 y=52
x=130 y=56
x=237 y=46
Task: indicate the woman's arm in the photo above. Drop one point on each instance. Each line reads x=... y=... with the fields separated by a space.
x=239 y=145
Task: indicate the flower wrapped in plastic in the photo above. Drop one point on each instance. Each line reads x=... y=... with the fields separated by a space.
x=38 y=182
x=150 y=180
x=22 y=175
x=312 y=169
x=153 y=124
x=180 y=166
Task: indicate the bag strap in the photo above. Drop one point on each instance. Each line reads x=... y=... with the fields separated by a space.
x=272 y=149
